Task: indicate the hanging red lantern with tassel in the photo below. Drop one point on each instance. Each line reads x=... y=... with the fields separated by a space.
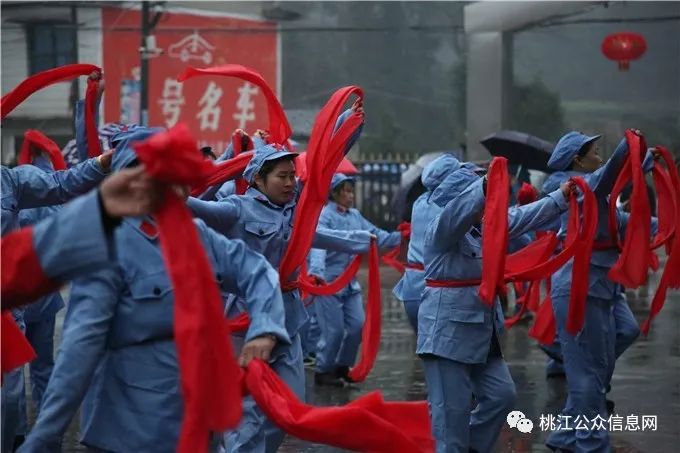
x=624 y=47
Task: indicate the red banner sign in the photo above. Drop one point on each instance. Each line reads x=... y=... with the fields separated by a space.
x=212 y=107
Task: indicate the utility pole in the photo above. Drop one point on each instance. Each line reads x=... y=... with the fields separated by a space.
x=144 y=66
x=75 y=85
x=147 y=50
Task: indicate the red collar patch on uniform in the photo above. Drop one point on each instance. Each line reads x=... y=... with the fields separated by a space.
x=148 y=228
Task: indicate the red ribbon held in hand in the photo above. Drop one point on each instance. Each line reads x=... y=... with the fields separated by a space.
x=37 y=82
x=670 y=278
x=631 y=268
x=279 y=128
x=494 y=230
x=208 y=369
x=34 y=138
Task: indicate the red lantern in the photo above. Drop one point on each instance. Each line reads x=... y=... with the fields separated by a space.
x=624 y=47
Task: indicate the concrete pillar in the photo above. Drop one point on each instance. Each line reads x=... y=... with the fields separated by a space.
x=489 y=87
x=489 y=27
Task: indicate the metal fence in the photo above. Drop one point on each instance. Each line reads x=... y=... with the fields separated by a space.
x=376 y=185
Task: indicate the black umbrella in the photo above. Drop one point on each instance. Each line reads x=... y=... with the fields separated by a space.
x=520 y=148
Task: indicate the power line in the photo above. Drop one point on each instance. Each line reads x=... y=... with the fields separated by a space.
x=255 y=30
x=367 y=29
x=610 y=21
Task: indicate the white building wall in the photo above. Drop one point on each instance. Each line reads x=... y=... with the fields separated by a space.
x=52 y=101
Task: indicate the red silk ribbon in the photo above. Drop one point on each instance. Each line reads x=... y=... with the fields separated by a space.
x=495 y=230
x=670 y=278
x=631 y=268
x=279 y=128
x=535 y=261
x=34 y=138
x=36 y=82
x=208 y=369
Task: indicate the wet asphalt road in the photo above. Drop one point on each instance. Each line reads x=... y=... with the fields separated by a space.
x=646 y=380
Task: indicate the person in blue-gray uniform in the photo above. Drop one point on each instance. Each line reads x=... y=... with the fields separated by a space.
x=458 y=334
x=24 y=187
x=263 y=219
x=410 y=287
x=118 y=353
x=589 y=357
x=341 y=316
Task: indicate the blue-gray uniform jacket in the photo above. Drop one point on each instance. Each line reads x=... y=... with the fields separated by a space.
x=411 y=285
x=328 y=265
x=27 y=186
x=47 y=306
x=23 y=187
x=65 y=249
x=118 y=342
x=453 y=322
x=267 y=228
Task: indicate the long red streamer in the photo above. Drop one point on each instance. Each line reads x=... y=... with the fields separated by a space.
x=307 y=285
x=324 y=153
x=523 y=302
x=279 y=128
x=94 y=146
x=544 y=329
x=36 y=82
x=666 y=199
x=367 y=424
x=16 y=350
x=370 y=335
x=34 y=138
x=371 y=332
x=208 y=369
x=391 y=259
x=631 y=268
x=580 y=273
x=21 y=92
x=522 y=265
x=495 y=230
x=670 y=278
x=222 y=172
x=23 y=279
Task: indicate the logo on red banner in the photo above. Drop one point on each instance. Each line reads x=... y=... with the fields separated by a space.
x=211 y=107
